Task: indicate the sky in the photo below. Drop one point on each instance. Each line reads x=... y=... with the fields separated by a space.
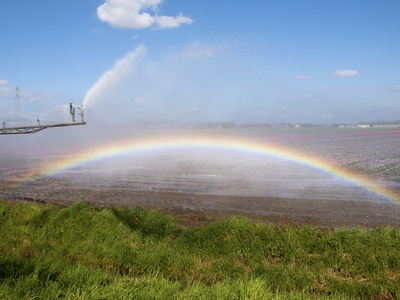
x=297 y=61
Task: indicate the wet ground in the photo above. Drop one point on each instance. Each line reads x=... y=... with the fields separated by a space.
x=198 y=187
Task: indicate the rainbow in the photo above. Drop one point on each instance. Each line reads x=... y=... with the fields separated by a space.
x=213 y=142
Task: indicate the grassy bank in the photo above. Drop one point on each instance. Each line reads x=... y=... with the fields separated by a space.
x=92 y=253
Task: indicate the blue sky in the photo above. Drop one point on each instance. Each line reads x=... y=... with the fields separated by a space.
x=262 y=61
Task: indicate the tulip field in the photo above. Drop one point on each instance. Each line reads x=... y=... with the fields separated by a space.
x=374 y=152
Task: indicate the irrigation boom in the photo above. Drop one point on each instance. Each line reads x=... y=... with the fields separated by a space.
x=38 y=127
x=33 y=129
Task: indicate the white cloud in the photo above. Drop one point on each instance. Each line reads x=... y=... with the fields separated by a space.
x=4 y=89
x=200 y=50
x=301 y=77
x=396 y=88
x=131 y=14
x=346 y=73
x=171 y=22
x=199 y=53
x=193 y=108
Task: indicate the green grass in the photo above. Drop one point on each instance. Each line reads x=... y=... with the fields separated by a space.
x=84 y=252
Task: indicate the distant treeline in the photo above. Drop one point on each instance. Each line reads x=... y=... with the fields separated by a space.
x=232 y=124
x=397 y=122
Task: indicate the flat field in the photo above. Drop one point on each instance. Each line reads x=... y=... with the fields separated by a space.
x=87 y=250
x=198 y=184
